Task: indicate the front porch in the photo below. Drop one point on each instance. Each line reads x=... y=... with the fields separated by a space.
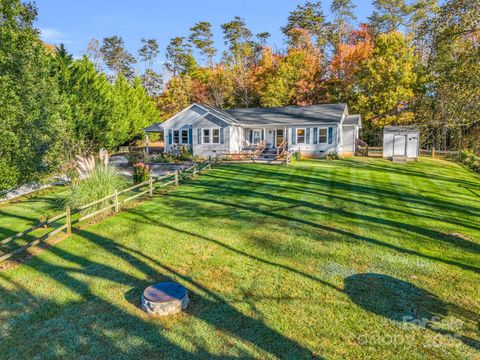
x=272 y=137
x=266 y=144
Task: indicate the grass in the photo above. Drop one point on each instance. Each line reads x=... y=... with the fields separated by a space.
x=320 y=259
x=23 y=212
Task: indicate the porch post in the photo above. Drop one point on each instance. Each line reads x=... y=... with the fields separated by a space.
x=146 y=142
x=285 y=137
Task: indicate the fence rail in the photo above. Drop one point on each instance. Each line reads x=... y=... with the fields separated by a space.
x=152 y=184
x=440 y=153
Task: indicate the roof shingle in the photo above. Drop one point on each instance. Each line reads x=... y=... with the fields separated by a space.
x=287 y=115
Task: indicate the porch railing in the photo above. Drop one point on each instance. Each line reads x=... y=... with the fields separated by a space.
x=260 y=148
x=282 y=149
x=361 y=148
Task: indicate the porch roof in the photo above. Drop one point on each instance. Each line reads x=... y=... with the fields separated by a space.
x=157 y=127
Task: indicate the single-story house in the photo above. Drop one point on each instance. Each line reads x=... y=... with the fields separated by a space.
x=315 y=130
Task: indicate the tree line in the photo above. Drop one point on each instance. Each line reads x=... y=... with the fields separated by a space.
x=413 y=62
x=53 y=107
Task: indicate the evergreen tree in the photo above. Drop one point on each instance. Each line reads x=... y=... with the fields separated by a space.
x=344 y=17
x=202 y=38
x=117 y=59
x=151 y=80
x=180 y=60
x=389 y=15
x=33 y=114
x=309 y=17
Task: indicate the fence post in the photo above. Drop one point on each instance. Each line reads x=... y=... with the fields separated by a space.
x=69 y=221
x=150 y=187
x=117 y=204
x=176 y=177
x=195 y=170
x=433 y=152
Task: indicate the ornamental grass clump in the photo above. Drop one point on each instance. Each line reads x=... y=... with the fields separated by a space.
x=97 y=180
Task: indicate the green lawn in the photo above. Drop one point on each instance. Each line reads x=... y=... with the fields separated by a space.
x=26 y=211
x=319 y=259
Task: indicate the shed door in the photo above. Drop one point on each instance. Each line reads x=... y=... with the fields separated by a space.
x=399 y=145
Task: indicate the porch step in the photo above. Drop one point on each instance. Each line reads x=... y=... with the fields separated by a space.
x=399 y=159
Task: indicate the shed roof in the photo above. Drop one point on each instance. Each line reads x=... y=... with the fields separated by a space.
x=402 y=129
x=287 y=115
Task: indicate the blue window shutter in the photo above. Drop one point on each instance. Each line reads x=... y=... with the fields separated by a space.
x=190 y=136
x=170 y=138
x=263 y=134
x=294 y=136
x=307 y=136
x=199 y=136
x=222 y=137
x=330 y=135
x=315 y=135
x=250 y=136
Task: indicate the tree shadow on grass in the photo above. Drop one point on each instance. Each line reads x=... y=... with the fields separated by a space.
x=404 y=302
x=373 y=203
x=402 y=170
x=201 y=200
x=302 y=179
x=462 y=243
x=95 y=318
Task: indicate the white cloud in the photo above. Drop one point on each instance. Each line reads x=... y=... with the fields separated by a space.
x=52 y=35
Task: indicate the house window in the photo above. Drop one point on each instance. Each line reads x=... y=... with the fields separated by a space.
x=176 y=136
x=322 y=136
x=184 y=136
x=300 y=136
x=206 y=136
x=257 y=136
x=216 y=136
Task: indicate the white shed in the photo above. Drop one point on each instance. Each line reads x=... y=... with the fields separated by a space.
x=400 y=142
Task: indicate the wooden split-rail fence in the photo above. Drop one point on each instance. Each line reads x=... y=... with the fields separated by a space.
x=110 y=202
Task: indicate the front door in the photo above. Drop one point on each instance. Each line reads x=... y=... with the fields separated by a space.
x=279 y=137
x=399 y=145
x=270 y=138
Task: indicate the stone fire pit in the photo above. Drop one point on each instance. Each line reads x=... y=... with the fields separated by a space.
x=164 y=298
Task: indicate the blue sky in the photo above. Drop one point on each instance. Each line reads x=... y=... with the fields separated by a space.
x=74 y=23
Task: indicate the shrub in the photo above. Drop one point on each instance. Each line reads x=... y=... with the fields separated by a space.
x=103 y=181
x=184 y=154
x=164 y=158
x=332 y=155
x=469 y=159
x=141 y=172
x=297 y=155
x=135 y=157
x=174 y=157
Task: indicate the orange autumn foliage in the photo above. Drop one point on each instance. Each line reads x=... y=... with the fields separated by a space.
x=349 y=56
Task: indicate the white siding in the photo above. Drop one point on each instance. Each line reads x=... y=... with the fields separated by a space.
x=316 y=150
x=236 y=139
x=205 y=150
x=348 y=139
x=411 y=139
